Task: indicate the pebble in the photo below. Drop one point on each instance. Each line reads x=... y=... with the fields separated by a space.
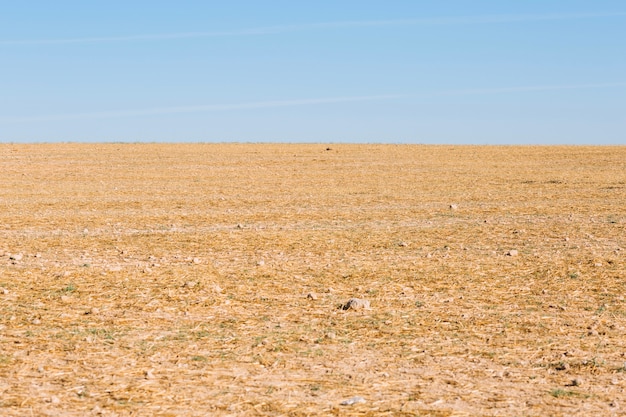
x=353 y=400
x=453 y=207
x=512 y=253
x=197 y=261
x=66 y=299
x=311 y=296
x=260 y=263
x=16 y=257
x=356 y=304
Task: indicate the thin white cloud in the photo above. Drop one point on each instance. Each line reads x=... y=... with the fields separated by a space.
x=437 y=21
x=503 y=90
x=299 y=102
x=198 y=109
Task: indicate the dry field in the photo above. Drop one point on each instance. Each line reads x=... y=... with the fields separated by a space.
x=207 y=279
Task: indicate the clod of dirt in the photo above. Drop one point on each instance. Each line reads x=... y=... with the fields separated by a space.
x=576 y=382
x=353 y=400
x=311 y=296
x=512 y=253
x=356 y=304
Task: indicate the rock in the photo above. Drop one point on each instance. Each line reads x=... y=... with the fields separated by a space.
x=260 y=263
x=197 y=261
x=353 y=400
x=356 y=304
x=576 y=382
x=512 y=253
x=16 y=257
x=311 y=296
x=454 y=207
x=66 y=299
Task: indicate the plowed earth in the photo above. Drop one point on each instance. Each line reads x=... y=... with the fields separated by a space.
x=207 y=279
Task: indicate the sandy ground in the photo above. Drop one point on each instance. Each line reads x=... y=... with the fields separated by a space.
x=194 y=280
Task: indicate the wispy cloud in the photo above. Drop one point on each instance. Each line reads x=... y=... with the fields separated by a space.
x=269 y=30
x=300 y=102
x=199 y=109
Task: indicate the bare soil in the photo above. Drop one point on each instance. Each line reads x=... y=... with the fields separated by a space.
x=209 y=279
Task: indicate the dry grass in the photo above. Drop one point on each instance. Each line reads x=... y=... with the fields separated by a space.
x=173 y=280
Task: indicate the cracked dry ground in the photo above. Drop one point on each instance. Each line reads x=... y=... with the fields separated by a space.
x=153 y=279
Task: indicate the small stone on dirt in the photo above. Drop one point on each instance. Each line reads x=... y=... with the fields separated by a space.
x=453 y=207
x=311 y=296
x=66 y=299
x=16 y=257
x=356 y=304
x=353 y=400
x=512 y=253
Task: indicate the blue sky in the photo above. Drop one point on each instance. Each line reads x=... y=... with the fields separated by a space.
x=479 y=72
